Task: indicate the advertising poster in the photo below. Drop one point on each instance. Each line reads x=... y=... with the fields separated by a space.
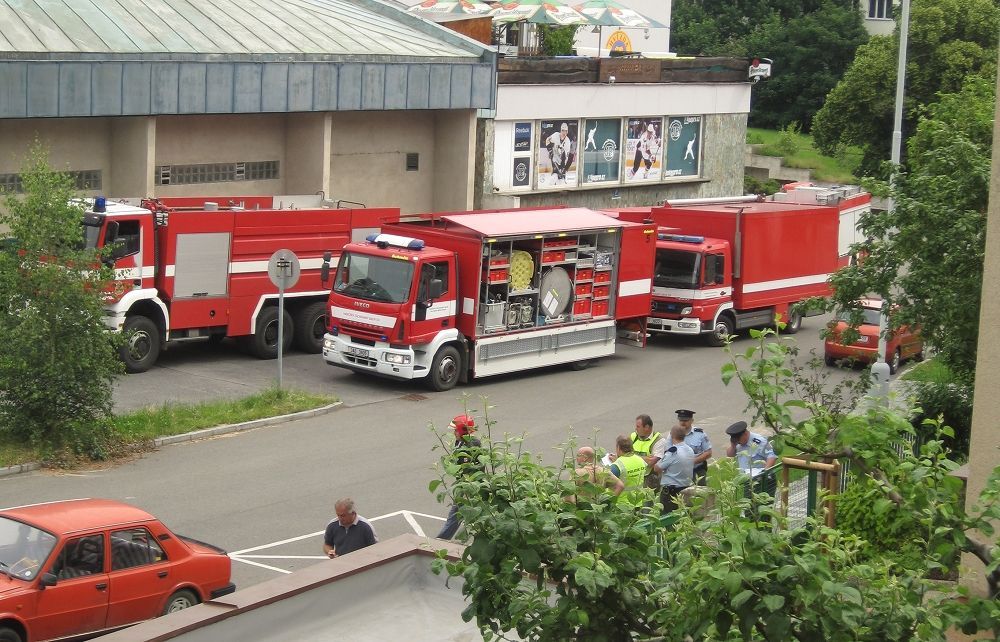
x=557 y=153
x=522 y=137
x=557 y=150
x=643 y=145
x=683 y=146
x=601 y=150
x=521 y=176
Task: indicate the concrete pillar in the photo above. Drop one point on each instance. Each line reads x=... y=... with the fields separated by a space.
x=133 y=154
x=984 y=443
x=454 y=160
x=308 y=145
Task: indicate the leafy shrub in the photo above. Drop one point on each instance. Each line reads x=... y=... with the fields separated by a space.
x=755 y=138
x=952 y=402
x=753 y=185
x=788 y=139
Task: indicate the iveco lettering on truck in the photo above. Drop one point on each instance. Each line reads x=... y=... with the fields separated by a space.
x=452 y=297
x=188 y=268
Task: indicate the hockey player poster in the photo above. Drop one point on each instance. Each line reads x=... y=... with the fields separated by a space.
x=557 y=153
x=683 y=146
x=602 y=150
x=642 y=149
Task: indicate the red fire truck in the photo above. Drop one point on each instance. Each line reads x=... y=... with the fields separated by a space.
x=189 y=268
x=452 y=297
x=851 y=202
x=727 y=266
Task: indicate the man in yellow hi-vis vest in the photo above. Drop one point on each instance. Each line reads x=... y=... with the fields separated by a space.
x=631 y=469
x=648 y=445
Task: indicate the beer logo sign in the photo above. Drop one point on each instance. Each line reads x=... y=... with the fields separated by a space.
x=675 y=129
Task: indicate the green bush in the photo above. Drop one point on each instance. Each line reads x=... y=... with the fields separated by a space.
x=753 y=185
x=953 y=403
x=788 y=140
x=864 y=511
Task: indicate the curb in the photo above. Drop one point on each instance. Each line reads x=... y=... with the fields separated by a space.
x=215 y=431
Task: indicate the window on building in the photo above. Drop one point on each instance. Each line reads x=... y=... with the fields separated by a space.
x=412 y=162
x=83 y=180
x=216 y=172
x=880 y=9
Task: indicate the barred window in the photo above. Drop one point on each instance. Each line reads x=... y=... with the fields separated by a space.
x=86 y=179
x=216 y=172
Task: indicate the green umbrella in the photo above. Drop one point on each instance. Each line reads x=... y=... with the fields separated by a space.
x=542 y=12
x=432 y=8
x=609 y=13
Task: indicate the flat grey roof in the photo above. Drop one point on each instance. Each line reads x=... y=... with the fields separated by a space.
x=296 y=28
x=80 y=58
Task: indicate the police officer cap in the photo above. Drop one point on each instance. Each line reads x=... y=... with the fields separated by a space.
x=685 y=414
x=738 y=428
x=463 y=425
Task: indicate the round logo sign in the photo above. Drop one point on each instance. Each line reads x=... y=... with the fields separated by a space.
x=675 y=128
x=521 y=171
x=619 y=41
x=609 y=148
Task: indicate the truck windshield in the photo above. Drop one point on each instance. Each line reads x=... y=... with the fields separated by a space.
x=91 y=235
x=23 y=548
x=374 y=278
x=676 y=269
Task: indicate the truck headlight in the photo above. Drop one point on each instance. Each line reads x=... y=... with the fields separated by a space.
x=399 y=359
x=327 y=343
x=686 y=310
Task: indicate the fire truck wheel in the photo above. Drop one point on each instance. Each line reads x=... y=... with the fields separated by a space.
x=310 y=326
x=445 y=369
x=142 y=344
x=265 y=338
x=794 y=323
x=723 y=328
x=9 y=635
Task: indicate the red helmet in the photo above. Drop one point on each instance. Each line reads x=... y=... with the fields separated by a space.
x=463 y=425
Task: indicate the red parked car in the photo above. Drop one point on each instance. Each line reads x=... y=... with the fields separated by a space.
x=81 y=566
x=905 y=342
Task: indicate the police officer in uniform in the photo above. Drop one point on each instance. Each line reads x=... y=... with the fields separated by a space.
x=631 y=469
x=699 y=442
x=752 y=451
x=676 y=468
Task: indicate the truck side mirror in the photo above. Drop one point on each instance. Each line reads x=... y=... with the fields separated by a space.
x=435 y=289
x=324 y=270
x=48 y=579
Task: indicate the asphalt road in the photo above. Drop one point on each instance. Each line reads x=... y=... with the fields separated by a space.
x=263 y=487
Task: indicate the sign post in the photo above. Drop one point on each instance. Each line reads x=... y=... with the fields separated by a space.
x=283 y=270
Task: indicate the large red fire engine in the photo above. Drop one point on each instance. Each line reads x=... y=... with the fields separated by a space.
x=189 y=268
x=452 y=297
x=739 y=262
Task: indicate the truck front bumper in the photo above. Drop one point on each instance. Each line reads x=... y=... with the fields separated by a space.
x=685 y=325
x=380 y=359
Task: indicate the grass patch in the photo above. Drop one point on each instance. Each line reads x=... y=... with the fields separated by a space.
x=141 y=426
x=805 y=155
x=930 y=371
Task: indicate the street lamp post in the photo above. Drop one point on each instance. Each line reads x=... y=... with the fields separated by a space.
x=880 y=370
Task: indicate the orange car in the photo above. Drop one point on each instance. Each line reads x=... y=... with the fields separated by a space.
x=905 y=343
x=81 y=566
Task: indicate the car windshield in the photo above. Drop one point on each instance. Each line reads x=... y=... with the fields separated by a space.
x=676 y=269
x=870 y=316
x=23 y=548
x=374 y=278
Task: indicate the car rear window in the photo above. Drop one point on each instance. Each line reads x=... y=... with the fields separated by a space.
x=869 y=316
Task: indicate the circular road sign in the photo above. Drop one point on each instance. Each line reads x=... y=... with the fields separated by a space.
x=283 y=268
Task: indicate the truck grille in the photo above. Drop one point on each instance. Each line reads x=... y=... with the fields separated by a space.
x=366 y=362
x=361 y=331
x=667 y=307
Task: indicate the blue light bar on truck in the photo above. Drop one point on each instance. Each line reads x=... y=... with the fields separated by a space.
x=395 y=240
x=681 y=238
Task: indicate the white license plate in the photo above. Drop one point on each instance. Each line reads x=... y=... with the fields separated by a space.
x=361 y=352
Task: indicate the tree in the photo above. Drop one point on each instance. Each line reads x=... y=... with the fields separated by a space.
x=58 y=363
x=811 y=43
x=926 y=256
x=811 y=53
x=949 y=42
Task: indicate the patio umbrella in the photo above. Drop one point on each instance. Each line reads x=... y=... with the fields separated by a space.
x=431 y=8
x=609 y=13
x=539 y=12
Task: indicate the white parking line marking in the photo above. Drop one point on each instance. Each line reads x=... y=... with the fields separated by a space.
x=244 y=555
